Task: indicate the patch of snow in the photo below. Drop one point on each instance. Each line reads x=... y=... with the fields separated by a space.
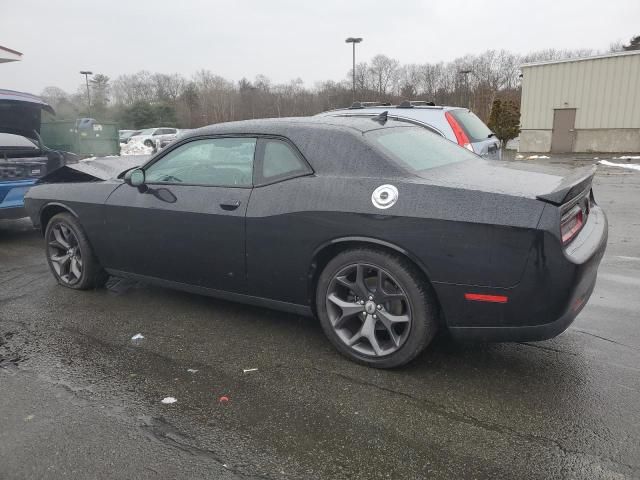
x=519 y=156
x=169 y=400
x=106 y=157
x=533 y=157
x=627 y=157
x=135 y=148
x=191 y=370
x=631 y=166
x=634 y=259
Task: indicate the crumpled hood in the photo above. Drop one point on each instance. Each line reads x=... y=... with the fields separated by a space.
x=20 y=113
x=94 y=169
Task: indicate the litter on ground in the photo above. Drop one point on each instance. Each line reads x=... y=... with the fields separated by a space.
x=223 y=400
x=169 y=400
x=137 y=336
x=533 y=157
x=247 y=370
x=631 y=166
x=191 y=370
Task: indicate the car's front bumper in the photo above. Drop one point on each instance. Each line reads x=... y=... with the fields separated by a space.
x=12 y=198
x=555 y=288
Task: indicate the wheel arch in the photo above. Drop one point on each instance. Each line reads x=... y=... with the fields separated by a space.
x=50 y=210
x=328 y=250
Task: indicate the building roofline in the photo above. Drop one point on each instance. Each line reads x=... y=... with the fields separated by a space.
x=580 y=59
x=15 y=52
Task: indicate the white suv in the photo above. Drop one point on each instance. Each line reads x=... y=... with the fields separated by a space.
x=150 y=137
x=460 y=125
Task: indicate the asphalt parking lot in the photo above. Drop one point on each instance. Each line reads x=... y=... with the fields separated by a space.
x=79 y=399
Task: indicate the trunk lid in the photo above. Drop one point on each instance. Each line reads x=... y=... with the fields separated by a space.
x=554 y=185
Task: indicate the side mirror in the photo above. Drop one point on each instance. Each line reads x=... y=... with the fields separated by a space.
x=134 y=177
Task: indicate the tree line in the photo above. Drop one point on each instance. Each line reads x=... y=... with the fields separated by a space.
x=147 y=99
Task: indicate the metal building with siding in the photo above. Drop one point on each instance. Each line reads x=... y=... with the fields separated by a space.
x=587 y=104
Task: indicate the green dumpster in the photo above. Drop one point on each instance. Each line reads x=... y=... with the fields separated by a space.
x=87 y=138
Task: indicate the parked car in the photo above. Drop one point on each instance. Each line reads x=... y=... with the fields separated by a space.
x=460 y=125
x=125 y=135
x=85 y=123
x=23 y=157
x=151 y=136
x=384 y=230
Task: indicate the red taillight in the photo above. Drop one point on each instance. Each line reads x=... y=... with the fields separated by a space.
x=477 y=297
x=461 y=137
x=571 y=224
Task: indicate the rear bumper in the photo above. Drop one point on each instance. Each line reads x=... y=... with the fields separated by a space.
x=12 y=198
x=554 y=290
x=526 y=333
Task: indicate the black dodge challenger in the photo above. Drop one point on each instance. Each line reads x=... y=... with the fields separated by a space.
x=384 y=231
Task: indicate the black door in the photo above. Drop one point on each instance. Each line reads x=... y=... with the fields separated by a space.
x=188 y=222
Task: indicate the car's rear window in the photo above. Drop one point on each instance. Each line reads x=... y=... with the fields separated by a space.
x=475 y=128
x=417 y=148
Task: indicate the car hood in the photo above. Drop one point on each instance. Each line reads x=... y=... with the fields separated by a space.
x=94 y=169
x=549 y=183
x=20 y=113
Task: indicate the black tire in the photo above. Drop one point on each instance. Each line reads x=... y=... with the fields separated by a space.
x=148 y=143
x=92 y=274
x=417 y=294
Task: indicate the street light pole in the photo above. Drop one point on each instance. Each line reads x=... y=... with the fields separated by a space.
x=86 y=74
x=353 y=41
x=466 y=82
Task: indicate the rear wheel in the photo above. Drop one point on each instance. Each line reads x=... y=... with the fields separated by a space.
x=70 y=256
x=375 y=307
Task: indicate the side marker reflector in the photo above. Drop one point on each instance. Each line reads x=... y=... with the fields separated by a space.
x=476 y=297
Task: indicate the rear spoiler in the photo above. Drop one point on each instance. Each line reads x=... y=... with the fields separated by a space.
x=570 y=186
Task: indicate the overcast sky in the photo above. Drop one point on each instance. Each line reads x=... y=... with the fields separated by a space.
x=284 y=39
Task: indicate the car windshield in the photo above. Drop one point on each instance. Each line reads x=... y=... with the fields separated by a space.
x=417 y=148
x=475 y=128
x=146 y=131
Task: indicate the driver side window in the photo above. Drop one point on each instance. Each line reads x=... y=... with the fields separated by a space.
x=220 y=162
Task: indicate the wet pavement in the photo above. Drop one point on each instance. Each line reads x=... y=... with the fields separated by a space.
x=79 y=399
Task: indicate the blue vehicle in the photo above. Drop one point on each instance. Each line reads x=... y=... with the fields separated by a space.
x=23 y=157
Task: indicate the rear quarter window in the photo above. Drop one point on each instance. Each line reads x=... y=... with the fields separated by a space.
x=416 y=148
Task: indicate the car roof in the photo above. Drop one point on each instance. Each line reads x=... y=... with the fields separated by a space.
x=274 y=125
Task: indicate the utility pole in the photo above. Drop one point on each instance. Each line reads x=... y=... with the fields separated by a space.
x=353 y=41
x=86 y=74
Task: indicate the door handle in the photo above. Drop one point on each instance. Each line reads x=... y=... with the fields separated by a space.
x=231 y=205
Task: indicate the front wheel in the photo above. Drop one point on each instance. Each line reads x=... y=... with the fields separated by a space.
x=376 y=307
x=70 y=256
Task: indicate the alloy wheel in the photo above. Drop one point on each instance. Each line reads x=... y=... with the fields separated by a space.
x=64 y=253
x=368 y=310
